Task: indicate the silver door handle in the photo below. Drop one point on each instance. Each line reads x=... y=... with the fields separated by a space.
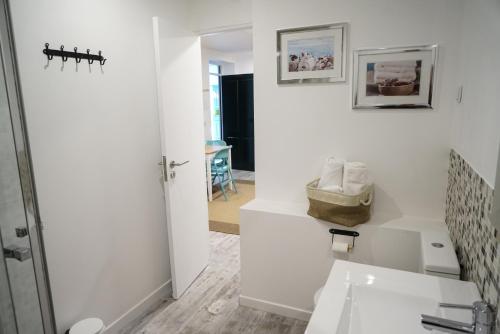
x=163 y=165
x=175 y=164
x=16 y=252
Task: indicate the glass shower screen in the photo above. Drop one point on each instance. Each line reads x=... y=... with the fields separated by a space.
x=25 y=306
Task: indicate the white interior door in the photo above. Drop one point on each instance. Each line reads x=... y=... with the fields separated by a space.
x=178 y=67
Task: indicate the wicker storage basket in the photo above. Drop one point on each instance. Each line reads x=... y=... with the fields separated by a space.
x=339 y=208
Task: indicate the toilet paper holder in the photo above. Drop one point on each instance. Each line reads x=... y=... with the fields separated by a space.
x=352 y=234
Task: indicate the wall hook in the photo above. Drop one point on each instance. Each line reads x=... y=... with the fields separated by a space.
x=62 y=53
x=77 y=59
x=79 y=56
x=103 y=60
x=90 y=60
x=46 y=51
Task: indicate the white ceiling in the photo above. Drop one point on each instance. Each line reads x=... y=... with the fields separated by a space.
x=232 y=41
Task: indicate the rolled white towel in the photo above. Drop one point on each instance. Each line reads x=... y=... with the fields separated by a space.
x=331 y=175
x=356 y=178
x=395 y=69
x=380 y=77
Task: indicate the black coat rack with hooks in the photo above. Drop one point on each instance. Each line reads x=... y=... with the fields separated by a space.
x=50 y=53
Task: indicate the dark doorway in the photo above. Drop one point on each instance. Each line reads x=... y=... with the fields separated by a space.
x=237 y=119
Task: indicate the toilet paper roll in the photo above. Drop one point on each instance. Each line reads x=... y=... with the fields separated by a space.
x=340 y=247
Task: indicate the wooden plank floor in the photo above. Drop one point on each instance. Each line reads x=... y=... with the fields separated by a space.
x=211 y=304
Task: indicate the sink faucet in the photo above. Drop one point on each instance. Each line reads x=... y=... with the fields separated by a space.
x=483 y=320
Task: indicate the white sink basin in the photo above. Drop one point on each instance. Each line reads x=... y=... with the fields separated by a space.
x=367 y=311
x=363 y=299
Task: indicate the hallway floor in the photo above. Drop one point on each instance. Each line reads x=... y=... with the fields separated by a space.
x=211 y=305
x=244 y=175
x=224 y=216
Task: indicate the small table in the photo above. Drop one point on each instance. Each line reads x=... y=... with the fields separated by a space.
x=210 y=151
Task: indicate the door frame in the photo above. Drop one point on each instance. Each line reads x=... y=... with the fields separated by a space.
x=24 y=162
x=219 y=30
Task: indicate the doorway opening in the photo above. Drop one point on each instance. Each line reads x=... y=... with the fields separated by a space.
x=227 y=65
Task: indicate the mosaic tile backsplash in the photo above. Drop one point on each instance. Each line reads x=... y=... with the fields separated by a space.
x=469 y=201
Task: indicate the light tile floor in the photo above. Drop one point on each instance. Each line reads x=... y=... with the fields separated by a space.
x=211 y=304
x=243 y=175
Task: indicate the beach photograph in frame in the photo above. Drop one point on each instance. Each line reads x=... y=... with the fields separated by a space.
x=400 y=77
x=312 y=54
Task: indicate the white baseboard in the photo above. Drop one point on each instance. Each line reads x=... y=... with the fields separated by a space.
x=141 y=308
x=280 y=309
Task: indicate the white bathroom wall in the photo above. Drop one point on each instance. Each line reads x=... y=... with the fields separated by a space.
x=214 y=15
x=286 y=255
x=476 y=128
x=298 y=126
x=95 y=141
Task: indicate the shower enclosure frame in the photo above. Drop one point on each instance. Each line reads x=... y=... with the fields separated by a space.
x=9 y=63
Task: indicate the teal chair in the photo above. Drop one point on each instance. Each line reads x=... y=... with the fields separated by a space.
x=220 y=168
x=215 y=143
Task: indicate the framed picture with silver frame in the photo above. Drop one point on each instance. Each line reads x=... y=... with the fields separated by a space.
x=399 y=77
x=315 y=54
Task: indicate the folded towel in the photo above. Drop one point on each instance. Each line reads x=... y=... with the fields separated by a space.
x=356 y=178
x=331 y=175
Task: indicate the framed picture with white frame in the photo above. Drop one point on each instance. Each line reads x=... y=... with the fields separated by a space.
x=401 y=77
x=314 y=54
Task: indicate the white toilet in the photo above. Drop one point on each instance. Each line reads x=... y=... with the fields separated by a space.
x=87 y=326
x=438 y=255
